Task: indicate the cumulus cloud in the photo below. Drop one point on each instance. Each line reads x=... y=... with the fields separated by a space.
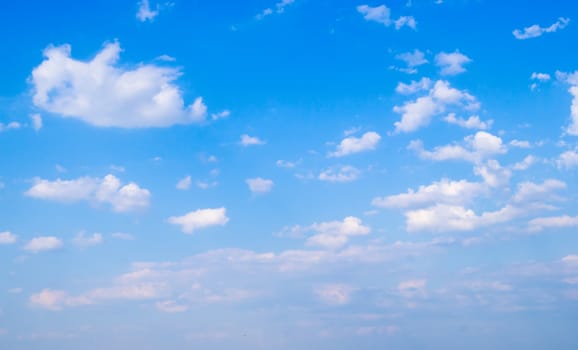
x=444 y=191
x=567 y=160
x=540 y=76
x=525 y=163
x=473 y=122
x=335 y=234
x=41 y=244
x=345 y=173
x=7 y=237
x=452 y=63
x=82 y=240
x=247 y=140
x=36 y=120
x=104 y=94
x=10 y=126
x=535 y=30
x=145 y=13
x=412 y=60
x=558 y=222
x=382 y=14
x=475 y=148
x=350 y=145
x=415 y=86
x=530 y=191
x=419 y=112
x=260 y=185
x=109 y=190
x=200 y=219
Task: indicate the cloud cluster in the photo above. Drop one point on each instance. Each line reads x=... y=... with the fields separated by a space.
x=102 y=93
x=199 y=219
x=108 y=190
x=382 y=14
x=352 y=144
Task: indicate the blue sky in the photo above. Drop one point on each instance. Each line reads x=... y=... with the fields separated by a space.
x=290 y=174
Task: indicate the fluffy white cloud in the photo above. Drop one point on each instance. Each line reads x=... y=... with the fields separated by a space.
x=40 y=244
x=493 y=173
x=540 y=76
x=335 y=234
x=567 y=160
x=564 y=221
x=247 y=140
x=84 y=241
x=475 y=149
x=419 y=112
x=345 y=173
x=279 y=8
x=444 y=191
x=10 y=126
x=520 y=144
x=104 y=94
x=350 y=145
x=145 y=13
x=412 y=60
x=473 y=122
x=526 y=163
x=184 y=183
x=452 y=63
x=221 y=115
x=7 y=237
x=414 y=87
x=382 y=14
x=535 y=30
x=199 y=219
x=108 y=190
x=260 y=185
x=335 y=294
x=530 y=191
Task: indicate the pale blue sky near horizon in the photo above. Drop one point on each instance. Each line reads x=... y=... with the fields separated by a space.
x=289 y=174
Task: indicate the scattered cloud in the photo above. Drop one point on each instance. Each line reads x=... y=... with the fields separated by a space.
x=41 y=244
x=382 y=14
x=554 y=222
x=184 y=183
x=415 y=86
x=7 y=237
x=221 y=115
x=83 y=241
x=452 y=63
x=335 y=234
x=520 y=144
x=260 y=185
x=278 y=9
x=36 y=120
x=535 y=30
x=567 y=160
x=345 y=173
x=107 y=190
x=247 y=140
x=286 y=164
x=473 y=122
x=171 y=306
x=122 y=236
x=200 y=219
x=10 y=126
x=145 y=13
x=104 y=94
x=352 y=144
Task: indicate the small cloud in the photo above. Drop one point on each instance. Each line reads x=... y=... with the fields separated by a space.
x=41 y=244
x=7 y=237
x=247 y=140
x=199 y=219
x=184 y=183
x=345 y=173
x=452 y=63
x=36 y=120
x=221 y=115
x=145 y=13
x=122 y=236
x=473 y=122
x=352 y=144
x=335 y=294
x=83 y=241
x=535 y=30
x=382 y=14
x=10 y=126
x=260 y=185
x=170 y=306
x=279 y=8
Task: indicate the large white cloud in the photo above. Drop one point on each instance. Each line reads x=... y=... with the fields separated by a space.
x=535 y=30
x=108 y=190
x=352 y=144
x=105 y=94
x=199 y=219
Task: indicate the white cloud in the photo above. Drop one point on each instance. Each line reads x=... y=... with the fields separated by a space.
x=335 y=234
x=104 y=94
x=540 y=76
x=444 y=191
x=145 y=13
x=285 y=164
x=564 y=221
x=477 y=148
x=352 y=144
x=493 y=173
x=525 y=164
x=247 y=140
x=345 y=173
x=40 y=244
x=452 y=63
x=413 y=87
x=413 y=59
x=221 y=115
x=520 y=144
x=567 y=160
x=10 y=126
x=199 y=219
x=535 y=30
x=36 y=121
x=418 y=113
x=529 y=191
x=84 y=241
x=171 y=306
x=279 y=8
x=7 y=237
x=184 y=183
x=108 y=190
x=473 y=122
x=122 y=236
x=335 y=294
x=260 y=185
x=382 y=14
x=570 y=259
